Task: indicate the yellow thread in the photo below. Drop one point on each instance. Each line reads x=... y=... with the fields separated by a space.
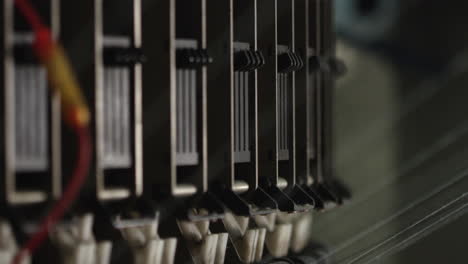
x=62 y=79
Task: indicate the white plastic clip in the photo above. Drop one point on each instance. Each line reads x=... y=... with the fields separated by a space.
x=8 y=246
x=78 y=244
x=205 y=247
x=148 y=247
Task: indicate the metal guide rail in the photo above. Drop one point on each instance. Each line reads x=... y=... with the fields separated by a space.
x=211 y=123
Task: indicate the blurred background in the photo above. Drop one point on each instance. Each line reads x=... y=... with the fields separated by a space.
x=401 y=133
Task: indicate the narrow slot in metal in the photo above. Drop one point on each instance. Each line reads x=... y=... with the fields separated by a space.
x=242 y=105
x=283 y=110
x=186 y=111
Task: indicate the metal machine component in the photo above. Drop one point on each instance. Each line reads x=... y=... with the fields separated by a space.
x=118 y=100
x=180 y=124
x=209 y=114
x=31 y=117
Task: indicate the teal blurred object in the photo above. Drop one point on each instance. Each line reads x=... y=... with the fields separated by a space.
x=401 y=144
x=366 y=21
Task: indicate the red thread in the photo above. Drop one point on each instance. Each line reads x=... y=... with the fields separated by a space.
x=30 y=14
x=43 y=47
x=71 y=191
x=43 y=42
